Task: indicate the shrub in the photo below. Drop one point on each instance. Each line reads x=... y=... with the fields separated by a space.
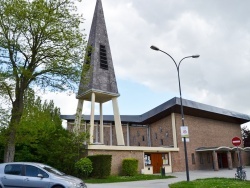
x=101 y=165
x=129 y=167
x=84 y=166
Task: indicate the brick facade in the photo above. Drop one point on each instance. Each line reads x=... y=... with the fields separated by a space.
x=117 y=158
x=203 y=132
x=161 y=132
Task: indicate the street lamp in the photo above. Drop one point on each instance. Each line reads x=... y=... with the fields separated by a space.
x=182 y=113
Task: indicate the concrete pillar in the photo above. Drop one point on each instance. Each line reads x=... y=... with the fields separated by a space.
x=215 y=161
x=174 y=130
x=149 y=136
x=85 y=130
x=96 y=133
x=170 y=161
x=229 y=160
x=128 y=135
x=118 y=125
x=111 y=134
x=101 y=125
x=78 y=117
x=92 y=119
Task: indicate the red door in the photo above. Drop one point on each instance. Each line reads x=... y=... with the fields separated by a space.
x=156 y=161
x=222 y=160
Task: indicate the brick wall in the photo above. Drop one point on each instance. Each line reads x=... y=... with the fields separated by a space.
x=118 y=156
x=138 y=136
x=161 y=132
x=203 y=133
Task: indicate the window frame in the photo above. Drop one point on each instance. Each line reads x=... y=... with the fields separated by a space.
x=40 y=171
x=14 y=174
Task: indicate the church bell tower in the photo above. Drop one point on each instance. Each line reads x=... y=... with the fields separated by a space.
x=98 y=83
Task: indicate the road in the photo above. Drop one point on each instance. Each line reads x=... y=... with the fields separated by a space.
x=180 y=176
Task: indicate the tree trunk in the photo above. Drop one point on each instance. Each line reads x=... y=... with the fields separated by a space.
x=9 y=152
x=16 y=115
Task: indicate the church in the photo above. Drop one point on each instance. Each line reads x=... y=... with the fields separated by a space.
x=154 y=138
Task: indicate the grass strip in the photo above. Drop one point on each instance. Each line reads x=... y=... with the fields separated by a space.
x=212 y=183
x=139 y=177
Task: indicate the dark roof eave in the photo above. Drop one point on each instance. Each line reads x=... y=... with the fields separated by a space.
x=173 y=106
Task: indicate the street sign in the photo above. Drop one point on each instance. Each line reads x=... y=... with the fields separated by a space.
x=184 y=131
x=236 y=141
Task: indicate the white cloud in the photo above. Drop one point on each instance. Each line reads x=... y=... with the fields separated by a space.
x=217 y=30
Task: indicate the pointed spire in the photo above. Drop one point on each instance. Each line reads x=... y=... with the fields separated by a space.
x=101 y=76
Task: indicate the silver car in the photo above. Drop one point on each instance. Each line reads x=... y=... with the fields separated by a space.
x=35 y=175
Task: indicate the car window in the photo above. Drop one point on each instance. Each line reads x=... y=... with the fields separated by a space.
x=53 y=170
x=33 y=171
x=13 y=169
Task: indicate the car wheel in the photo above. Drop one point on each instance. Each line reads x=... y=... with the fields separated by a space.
x=57 y=186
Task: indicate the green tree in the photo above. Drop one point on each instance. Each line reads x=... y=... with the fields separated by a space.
x=41 y=138
x=41 y=45
x=246 y=136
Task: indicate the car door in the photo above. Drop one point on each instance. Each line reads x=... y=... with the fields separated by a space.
x=12 y=177
x=31 y=178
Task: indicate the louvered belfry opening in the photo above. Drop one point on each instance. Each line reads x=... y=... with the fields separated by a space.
x=103 y=57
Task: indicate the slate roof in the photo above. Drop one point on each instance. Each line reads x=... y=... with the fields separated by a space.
x=98 y=79
x=191 y=108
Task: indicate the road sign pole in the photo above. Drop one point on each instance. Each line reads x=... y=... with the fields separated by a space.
x=236 y=141
x=239 y=158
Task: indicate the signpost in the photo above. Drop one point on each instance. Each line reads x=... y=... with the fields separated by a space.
x=184 y=131
x=236 y=141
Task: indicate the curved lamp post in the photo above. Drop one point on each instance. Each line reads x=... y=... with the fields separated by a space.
x=182 y=113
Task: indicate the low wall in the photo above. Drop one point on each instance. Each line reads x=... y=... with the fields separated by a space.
x=117 y=158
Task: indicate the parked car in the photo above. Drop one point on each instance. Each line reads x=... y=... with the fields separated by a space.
x=35 y=175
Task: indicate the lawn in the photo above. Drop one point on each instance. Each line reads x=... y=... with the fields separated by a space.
x=139 y=177
x=212 y=183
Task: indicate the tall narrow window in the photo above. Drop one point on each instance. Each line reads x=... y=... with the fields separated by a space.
x=161 y=142
x=103 y=57
x=193 y=158
x=201 y=159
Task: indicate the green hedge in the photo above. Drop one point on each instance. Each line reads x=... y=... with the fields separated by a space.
x=84 y=167
x=129 y=167
x=101 y=165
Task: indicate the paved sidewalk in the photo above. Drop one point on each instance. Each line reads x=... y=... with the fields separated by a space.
x=180 y=176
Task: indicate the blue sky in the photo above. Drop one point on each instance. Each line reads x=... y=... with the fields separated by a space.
x=217 y=30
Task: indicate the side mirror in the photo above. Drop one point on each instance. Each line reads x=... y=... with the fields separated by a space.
x=40 y=175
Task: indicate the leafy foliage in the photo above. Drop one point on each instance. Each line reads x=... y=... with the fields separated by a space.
x=101 y=165
x=84 y=166
x=129 y=167
x=41 y=45
x=41 y=137
x=246 y=136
